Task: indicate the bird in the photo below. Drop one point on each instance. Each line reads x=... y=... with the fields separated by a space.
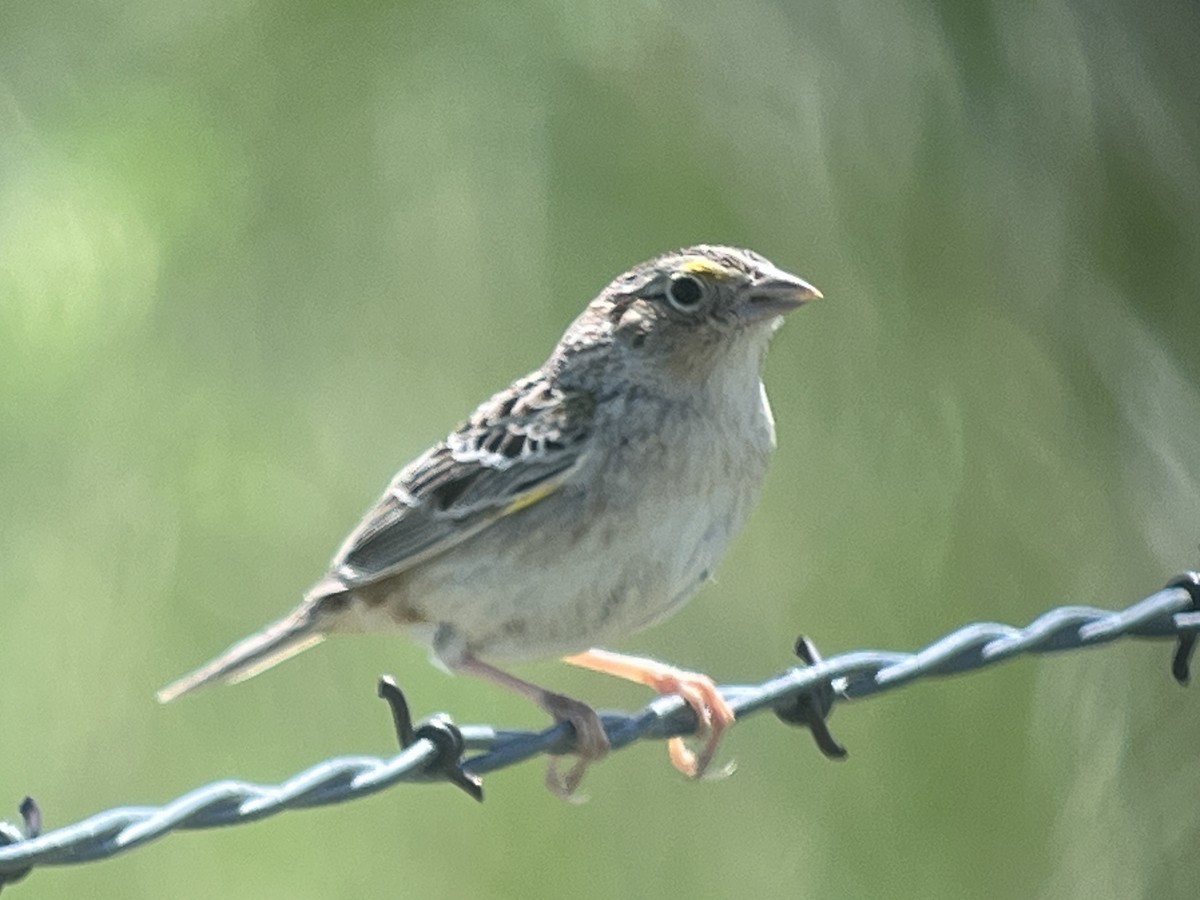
x=588 y=500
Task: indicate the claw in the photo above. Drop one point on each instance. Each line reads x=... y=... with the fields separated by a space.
x=713 y=714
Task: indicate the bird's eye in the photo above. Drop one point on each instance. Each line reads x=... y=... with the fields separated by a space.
x=685 y=292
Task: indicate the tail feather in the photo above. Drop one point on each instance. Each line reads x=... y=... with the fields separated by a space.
x=248 y=657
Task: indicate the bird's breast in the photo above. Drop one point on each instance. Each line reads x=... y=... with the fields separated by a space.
x=629 y=537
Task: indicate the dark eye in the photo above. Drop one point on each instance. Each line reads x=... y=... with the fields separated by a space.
x=685 y=292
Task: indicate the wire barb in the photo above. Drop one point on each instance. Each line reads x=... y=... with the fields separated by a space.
x=439 y=730
x=1180 y=664
x=811 y=709
x=435 y=750
x=10 y=834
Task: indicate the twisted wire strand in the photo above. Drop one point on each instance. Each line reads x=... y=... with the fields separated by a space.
x=436 y=750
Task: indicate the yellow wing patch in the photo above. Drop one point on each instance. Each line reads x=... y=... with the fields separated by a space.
x=532 y=496
x=698 y=265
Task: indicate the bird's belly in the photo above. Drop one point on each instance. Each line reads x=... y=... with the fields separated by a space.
x=578 y=587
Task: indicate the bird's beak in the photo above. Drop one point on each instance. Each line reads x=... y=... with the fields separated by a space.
x=777 y=292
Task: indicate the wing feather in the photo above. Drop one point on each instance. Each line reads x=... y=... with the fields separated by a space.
x=515 y=450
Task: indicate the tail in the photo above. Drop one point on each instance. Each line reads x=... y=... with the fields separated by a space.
x=255 y=654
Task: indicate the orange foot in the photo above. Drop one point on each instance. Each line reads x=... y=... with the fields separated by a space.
x=712 y=712
x=591 y=742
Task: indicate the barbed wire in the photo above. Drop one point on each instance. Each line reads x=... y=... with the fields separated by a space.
x=435 y=750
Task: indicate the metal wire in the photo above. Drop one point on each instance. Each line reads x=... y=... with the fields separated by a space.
x=436 y=749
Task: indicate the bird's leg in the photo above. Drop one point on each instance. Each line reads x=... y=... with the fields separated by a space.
x=591 y=743
x=712 y=712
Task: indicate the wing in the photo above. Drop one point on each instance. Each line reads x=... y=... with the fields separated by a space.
x=516 y=449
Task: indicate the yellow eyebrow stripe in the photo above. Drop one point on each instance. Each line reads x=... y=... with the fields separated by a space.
x=699 y=266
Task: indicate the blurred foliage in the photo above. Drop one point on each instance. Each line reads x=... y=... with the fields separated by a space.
x=254 y=256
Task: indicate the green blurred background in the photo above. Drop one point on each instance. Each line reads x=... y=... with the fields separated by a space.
x=254 y=256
